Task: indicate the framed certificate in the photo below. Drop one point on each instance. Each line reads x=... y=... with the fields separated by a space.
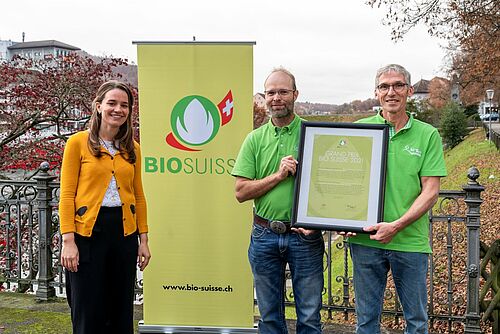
x=340 y=179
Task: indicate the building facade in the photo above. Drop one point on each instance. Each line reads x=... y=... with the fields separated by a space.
x=4 y=51
x=48 y=49
x=421 y=90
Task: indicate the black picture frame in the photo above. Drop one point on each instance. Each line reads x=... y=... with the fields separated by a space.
x=340 y=178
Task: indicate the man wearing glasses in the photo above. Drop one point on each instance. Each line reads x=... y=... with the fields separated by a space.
x=264 y=171
x=400 y=243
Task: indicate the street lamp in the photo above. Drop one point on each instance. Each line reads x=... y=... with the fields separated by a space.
x=489 y=95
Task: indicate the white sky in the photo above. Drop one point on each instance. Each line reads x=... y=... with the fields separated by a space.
x=333 y=47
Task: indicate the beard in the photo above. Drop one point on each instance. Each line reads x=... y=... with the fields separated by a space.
x=281 y=113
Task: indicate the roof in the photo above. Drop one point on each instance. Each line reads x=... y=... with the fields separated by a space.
x=42 y=44
x=421 y=87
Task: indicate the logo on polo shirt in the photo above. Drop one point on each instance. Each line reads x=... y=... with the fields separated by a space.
x=413 y=150
x=196 y=120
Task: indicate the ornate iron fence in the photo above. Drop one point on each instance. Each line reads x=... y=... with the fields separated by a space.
x=30 y=248
x=29 y=237
x=453 y=269
x=30 y=241
x=489 y=297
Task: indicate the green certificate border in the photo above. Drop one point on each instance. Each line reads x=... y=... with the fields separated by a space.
x=340 y=179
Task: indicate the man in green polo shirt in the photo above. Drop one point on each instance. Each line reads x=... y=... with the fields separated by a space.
x=264 y=171
x=400 y=243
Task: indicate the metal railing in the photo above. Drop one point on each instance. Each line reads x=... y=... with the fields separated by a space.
x=30 y=247
x=453 y=304
x=495 y=136
x=489 y=298
x=30 y=241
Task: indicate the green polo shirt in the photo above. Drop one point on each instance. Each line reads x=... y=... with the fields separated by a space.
x=413 y=152
x=260 y=156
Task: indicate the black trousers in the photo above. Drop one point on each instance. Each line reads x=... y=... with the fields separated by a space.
x=101 y=293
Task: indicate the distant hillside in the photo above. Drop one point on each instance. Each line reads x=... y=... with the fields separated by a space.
x=356 y=106
x=128 y=73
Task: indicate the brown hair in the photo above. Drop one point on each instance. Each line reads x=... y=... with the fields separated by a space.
x=125 y=135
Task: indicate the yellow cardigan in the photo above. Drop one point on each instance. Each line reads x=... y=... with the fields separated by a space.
x=84 y=180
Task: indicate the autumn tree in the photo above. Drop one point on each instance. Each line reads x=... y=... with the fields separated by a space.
x=439 y=92
x=470 y=26
x=260 y=116
x=42 y=102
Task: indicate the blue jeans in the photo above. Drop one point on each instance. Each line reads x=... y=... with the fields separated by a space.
x=409 y=271
x=268 y=255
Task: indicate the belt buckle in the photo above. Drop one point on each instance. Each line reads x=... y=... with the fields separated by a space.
x=277 y=226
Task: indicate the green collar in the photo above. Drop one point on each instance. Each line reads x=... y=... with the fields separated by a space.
x=289 y=129
x=392 y=131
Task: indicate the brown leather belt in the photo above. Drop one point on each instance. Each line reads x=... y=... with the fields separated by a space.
x=277 y=226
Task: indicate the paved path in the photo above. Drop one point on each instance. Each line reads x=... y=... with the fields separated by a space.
x=495 y=126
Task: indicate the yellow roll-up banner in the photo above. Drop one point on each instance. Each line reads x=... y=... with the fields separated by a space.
x=195 y=102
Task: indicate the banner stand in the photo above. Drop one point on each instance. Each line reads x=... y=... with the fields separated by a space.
x=196 y=108
x=147 y=329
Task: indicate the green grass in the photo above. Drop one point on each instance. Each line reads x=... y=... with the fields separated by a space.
x=21 y=321
x=24 y=321
x=473 y=151
x=21 y=314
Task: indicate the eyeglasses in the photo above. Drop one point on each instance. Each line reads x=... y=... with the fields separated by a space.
x=398 y=87
x=280 y=92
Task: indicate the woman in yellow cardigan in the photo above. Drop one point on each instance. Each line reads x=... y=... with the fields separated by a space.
x=103 y=219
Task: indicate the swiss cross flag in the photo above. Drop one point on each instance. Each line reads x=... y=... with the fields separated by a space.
x=226 y=108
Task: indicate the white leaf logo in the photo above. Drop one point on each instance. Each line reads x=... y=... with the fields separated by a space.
x=197 y=126
x=195 y=121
